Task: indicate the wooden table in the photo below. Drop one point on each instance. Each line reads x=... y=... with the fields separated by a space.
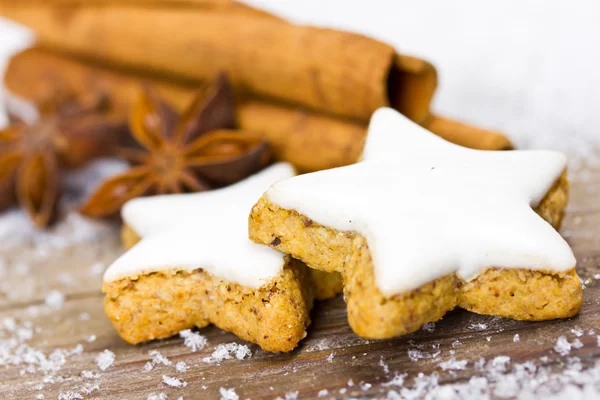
x=330 y=358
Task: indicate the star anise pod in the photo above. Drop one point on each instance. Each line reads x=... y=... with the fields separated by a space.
x=67 y=133
x=192 y=152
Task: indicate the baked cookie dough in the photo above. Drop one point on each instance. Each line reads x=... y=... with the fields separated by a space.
x=192 y=264
x=325 y=285
x=519 y=293
x=161 y=304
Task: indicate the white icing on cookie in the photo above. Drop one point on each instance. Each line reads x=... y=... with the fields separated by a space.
x=202 y=230
x=429 y=208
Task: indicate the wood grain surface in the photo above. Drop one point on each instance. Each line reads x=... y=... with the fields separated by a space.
x=331 y=358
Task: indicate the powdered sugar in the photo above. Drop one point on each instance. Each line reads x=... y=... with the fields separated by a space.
x=562 y=346
x=174 y=382
x=55 y=300
x=478 y=327
x=453 y=364
x=181 y=366
x=157 y=359
x=228 y=394
x=157 y=396
x=227 y=352
x=193 y=340
x=105 y=359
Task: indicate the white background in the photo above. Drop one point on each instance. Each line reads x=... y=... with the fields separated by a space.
x=529 y=68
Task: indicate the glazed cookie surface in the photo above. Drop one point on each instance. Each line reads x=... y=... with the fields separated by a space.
x=452 y=257
x=190 y=263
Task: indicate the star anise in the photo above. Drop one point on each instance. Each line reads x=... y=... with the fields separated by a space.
x=68 y=133
x=195 y=151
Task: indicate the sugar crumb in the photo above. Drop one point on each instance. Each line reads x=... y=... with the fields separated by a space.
x=181 y=366
x=478 y=327
x=291 y=395
x=397 y=380
x=158 y=358
x=84 y=316
x=323 y=393
x=105 y=359
x=516 y=338
x=227 y=352
x=55 y=300
x=157 y=396
x=577 y=331
x=453 y=364
x=562 y=346
x=69 y=396
x=382 y=364
x=174 y=382
x=193 y=340
x=228 y=394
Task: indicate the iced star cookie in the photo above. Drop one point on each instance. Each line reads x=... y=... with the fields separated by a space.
x=195 y=265
x=326 y=285
x=421 y=226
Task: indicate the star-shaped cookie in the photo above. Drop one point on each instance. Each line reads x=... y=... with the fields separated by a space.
x=195 y=265
x=421 y=226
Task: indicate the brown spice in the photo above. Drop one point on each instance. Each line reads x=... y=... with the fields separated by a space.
x=191 y=152
x=68 y=133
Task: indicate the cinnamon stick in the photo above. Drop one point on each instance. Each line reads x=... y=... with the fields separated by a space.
x=309 y=140
x=228 y=5
x=467 y=135
x=329 y=71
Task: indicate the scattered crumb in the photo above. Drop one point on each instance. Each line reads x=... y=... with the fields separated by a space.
x=174 y=382
x=69 y=396
x=84 y=316
x=478 y=327
x=577 y=332
x=397 y=380
x=193 y=340
x=429 y=327
x=21 y=269
x=97 y=269
x=323 y=393
x=39 y=396
x=181 y=366
x=365 y=386
x=516 y=338
x=228 y=394
x=89 y=375
x=577 y=344
x=55 y=300
x=453 y=364
x=91 y=338
x=66 y=279
x=157 y=396
x=330 y=357
x=350 y=383
x=105 y=359
x=227 y=352
x=342 y=391
x=291 y=395
x=562 y=346
x=158 y=358
x=382 y=364
x=488 y=338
